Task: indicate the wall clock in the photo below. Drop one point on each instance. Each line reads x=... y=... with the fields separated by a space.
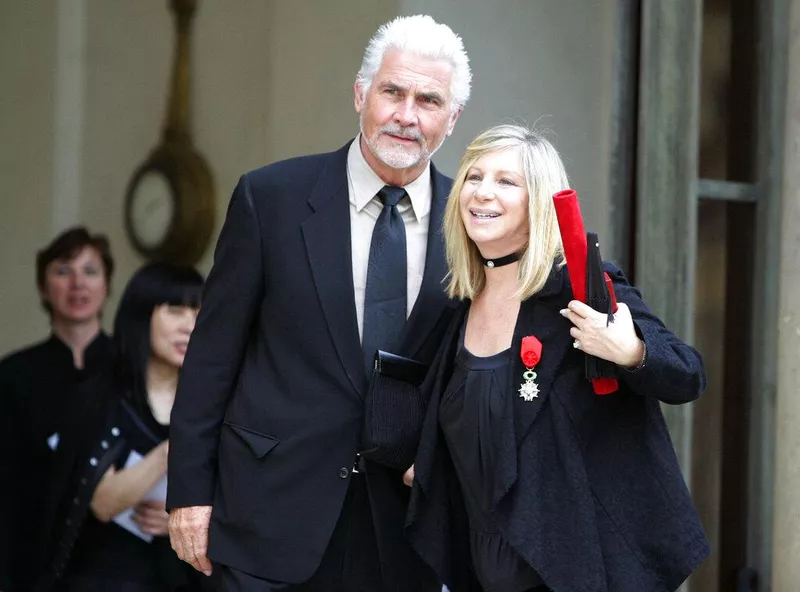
x=169 y=202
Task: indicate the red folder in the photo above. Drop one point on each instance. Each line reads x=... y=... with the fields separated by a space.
x=573 y=237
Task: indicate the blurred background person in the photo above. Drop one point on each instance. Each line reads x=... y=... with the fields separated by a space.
x=73 y=274
x=105 y=522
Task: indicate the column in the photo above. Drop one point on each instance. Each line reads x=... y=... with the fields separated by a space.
x=786 y=508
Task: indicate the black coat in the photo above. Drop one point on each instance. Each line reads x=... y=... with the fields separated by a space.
x=270 y=405
x=588 y=489
x=37 y=387
x=94 y=437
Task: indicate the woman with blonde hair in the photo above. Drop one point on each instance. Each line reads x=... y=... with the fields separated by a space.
x=525 y=479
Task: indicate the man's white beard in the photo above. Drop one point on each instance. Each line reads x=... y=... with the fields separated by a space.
x=397 y=157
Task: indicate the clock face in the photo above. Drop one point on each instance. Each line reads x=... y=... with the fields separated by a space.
x=152 y=209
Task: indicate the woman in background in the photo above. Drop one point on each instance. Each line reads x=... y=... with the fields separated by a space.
x=73 y=275
x=106 y=522
x=525 y=479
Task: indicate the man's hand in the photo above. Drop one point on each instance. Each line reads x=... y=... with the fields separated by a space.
x=408 y=476
x=188 y=535
x=151 y=517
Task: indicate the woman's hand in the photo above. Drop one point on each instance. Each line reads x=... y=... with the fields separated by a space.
x=617 y=342
x=151 y=517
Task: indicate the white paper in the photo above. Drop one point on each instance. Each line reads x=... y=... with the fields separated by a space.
x=157 y=493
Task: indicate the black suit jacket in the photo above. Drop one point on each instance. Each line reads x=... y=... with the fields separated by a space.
x=269 y=409
x=587 y=488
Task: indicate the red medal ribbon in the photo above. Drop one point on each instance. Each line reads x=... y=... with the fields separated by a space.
x=531 y=351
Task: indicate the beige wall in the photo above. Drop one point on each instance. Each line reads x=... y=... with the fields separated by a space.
x=27 y=57
x=271 y=80
x=544 y=62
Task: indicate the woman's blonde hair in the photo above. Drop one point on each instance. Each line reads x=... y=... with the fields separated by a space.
x=544 y=175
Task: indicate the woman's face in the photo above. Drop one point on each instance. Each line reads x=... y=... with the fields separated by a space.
x=170 y=328
x=494 y=203
x=76 y=288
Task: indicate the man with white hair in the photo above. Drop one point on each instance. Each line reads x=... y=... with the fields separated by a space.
x=322 y=260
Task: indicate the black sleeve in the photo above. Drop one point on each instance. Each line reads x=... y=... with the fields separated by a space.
x=230 y=306
x=673 y=371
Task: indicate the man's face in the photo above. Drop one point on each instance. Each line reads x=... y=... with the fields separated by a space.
x=406 y=113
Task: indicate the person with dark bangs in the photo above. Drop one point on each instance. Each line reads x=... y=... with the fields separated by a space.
x=105 y=520
x=73 y=275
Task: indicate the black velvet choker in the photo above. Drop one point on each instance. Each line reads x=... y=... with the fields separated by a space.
x=500 y=261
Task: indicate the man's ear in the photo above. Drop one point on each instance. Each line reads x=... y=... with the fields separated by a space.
x=358 y=96
x=453 y=117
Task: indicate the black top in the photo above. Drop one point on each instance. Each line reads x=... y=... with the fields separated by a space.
x=587 y=488
x=36 y=389
x=102 y=430
x=107 y=549
x=474 y=407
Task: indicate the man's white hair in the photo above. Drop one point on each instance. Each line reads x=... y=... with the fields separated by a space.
x=423 y=36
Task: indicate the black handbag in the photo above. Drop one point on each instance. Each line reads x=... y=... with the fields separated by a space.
x=394 y=410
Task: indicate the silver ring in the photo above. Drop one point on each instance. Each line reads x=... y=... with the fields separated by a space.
x=576 y=344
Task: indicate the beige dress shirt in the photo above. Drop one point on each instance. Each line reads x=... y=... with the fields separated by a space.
x=363 y=185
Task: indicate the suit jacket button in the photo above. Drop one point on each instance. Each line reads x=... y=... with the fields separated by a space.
x=344 y=473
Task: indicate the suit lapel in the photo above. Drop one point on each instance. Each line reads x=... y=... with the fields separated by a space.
x=327 y=236
x=538 y=316
x=553 y=487
x=432 y=298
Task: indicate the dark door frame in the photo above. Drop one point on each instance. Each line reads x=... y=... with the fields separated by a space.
x=655 y=190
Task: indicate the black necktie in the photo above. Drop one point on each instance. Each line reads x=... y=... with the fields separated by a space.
x=385 y=297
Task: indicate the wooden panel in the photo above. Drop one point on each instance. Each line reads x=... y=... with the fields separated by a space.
x=619 y=245
x=774 y=72
x=666 y=237
x=726 y=190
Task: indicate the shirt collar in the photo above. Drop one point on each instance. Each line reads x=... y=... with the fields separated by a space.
x=366 y=183
x=96 y=355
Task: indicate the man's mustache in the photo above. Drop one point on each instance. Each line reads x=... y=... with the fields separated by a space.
x=408 y=134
